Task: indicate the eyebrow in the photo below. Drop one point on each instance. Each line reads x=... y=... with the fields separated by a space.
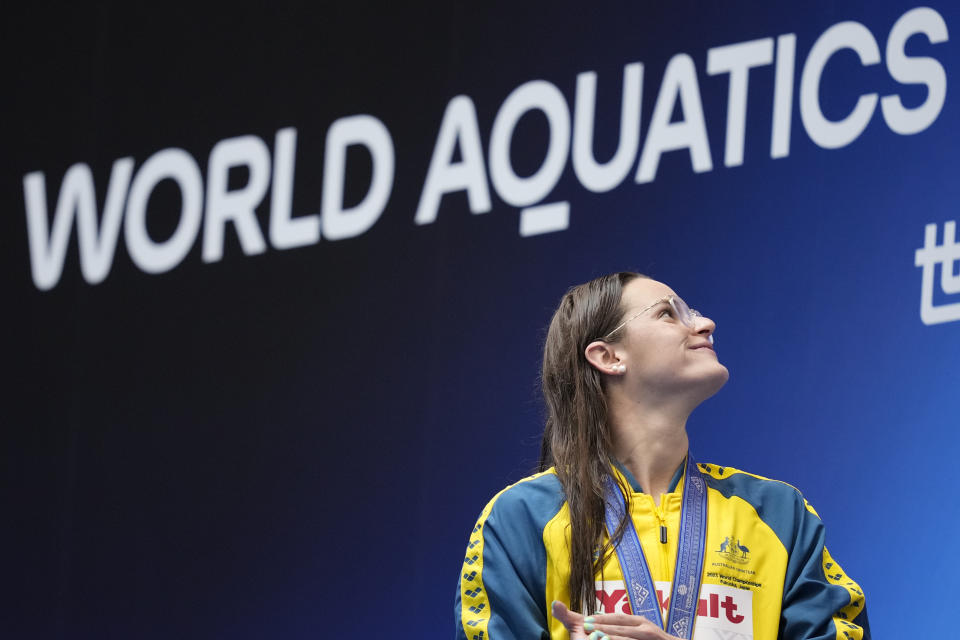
x=664 y=300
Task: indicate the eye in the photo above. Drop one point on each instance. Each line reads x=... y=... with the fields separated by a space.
x=666 y=312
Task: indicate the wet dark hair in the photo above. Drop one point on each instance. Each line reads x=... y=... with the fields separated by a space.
x=576 y=437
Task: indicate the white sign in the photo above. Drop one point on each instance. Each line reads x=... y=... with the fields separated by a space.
x=723 y=612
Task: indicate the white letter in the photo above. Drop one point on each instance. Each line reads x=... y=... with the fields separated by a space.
x=339 y=223
x=444 y=176
x=76 y=196
x=783 y=96
x=157 y=257
x=286 y=232
x=827 y=134
x=737 y=60
x=603 y=177
x=679 y=79
x=238 y=205
x=536 y=94
x=915 y=71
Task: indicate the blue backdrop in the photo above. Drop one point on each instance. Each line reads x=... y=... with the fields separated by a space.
x=285 y=343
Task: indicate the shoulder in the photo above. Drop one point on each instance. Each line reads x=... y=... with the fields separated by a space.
x=749 y=486
x=779 y=505
x=503 y=581
x=509 y=531
x=534 y=499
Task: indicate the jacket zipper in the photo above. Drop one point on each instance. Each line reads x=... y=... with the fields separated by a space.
x=663 y=523
x=664 y=560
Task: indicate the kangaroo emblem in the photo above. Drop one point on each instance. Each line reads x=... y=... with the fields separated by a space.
x=733 y=551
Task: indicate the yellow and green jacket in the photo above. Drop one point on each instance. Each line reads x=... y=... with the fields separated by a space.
x=767 y=574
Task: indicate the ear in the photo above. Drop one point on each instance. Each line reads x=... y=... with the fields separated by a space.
x=603 y=357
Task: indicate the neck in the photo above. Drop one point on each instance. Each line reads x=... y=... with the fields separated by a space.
x=650 y=444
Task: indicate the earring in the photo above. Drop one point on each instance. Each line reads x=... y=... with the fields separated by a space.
x=620 y=368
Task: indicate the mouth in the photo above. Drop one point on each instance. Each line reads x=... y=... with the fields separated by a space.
x=705 y=345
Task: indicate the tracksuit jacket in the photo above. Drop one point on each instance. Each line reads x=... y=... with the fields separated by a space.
x=766 y=573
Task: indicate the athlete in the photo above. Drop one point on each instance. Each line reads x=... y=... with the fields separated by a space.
x=622 y=534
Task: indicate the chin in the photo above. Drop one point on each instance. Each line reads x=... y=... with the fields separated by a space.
x=722 y=376
x=714 y=381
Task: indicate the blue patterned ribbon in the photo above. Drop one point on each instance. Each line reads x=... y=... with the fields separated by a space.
x=641 y=591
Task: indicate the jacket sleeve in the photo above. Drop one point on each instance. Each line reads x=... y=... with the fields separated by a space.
x=501 y=590
x=820 y=601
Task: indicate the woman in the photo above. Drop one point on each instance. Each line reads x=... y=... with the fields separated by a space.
x=621 y=533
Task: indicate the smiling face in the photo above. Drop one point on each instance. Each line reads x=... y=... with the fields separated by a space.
x=661 y=355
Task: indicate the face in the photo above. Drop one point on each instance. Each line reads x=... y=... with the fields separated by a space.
x=660 y=353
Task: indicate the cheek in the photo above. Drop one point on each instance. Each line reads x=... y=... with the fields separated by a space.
x=659 y=359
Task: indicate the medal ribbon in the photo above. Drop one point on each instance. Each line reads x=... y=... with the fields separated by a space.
x=641 y=591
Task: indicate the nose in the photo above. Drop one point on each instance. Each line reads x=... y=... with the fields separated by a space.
x=704 y=326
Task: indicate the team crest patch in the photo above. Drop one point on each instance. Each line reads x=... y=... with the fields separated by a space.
x=732 y=550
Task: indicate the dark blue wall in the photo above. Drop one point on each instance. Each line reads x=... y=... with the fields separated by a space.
x=296 y=441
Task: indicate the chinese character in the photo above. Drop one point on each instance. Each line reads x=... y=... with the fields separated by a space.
x=946 y=254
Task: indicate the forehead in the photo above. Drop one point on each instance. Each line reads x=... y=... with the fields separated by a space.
x=644 y=291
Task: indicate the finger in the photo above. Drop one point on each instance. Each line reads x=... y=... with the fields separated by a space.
x=634 y=631
x=654 y=634
x=625 y=619
x=651 y=632
x=570 y=619
x=637 y=627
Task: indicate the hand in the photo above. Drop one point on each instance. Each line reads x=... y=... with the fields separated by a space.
x=615 y=626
